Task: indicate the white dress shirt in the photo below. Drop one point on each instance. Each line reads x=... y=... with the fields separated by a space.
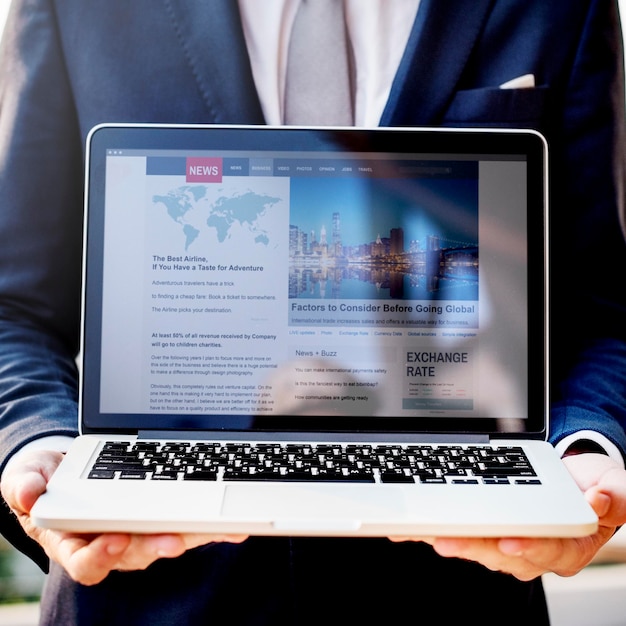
x=378 y=31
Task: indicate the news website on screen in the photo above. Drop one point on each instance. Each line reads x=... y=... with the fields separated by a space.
x=349 y=284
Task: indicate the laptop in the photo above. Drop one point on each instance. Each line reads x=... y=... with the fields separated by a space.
x=314 y=332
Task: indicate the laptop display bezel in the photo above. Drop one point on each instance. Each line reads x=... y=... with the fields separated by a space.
x=197 y=137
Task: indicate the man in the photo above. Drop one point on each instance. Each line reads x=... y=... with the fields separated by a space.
x=69 y=64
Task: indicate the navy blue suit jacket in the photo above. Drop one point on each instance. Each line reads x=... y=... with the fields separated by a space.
x=67 y=65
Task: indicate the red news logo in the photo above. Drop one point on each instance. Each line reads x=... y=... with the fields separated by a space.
x=204 y=170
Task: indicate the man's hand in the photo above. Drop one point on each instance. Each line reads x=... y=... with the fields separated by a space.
x=88 y=559
x=604 y=484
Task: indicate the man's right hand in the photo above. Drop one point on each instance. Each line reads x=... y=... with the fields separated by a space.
x=87 y=558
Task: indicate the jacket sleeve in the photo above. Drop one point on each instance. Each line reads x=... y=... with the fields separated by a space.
x=40 y=228
x=587 y=249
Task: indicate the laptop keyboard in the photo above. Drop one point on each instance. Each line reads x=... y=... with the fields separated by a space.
x=435 y=464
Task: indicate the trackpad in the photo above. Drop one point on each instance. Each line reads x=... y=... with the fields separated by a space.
x=313 y=502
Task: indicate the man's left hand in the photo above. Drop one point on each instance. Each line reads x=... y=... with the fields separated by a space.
x=603 y=482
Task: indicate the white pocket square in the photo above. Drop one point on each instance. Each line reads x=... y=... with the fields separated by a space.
x=520 y=82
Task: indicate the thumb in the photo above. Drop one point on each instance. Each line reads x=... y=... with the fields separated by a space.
x=25 y=480
x=608 y=498
x=26 y=492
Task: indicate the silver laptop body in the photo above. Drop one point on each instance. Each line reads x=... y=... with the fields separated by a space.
x=315 y=331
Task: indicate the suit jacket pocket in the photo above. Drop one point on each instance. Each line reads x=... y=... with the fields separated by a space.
x=525 y=108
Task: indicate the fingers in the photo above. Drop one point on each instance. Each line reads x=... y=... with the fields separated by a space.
x=90 y=559
x=515 y=558
x=526 y=558
x=195 y=540
x=487 y=552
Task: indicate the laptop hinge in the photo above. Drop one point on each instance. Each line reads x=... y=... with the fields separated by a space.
x=313 y=436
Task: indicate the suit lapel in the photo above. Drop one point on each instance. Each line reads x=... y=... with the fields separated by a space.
x=212 y=39
x=438 y=48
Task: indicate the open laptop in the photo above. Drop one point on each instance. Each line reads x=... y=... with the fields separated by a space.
x=315 y=331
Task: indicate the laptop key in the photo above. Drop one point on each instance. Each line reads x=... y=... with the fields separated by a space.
x=201 y=474
x=102 y=474
x=132 y=475
x=396 y=477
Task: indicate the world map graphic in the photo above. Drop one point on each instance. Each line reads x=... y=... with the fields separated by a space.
x=201 y=208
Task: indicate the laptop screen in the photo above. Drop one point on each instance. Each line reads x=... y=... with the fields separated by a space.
x=257 y=278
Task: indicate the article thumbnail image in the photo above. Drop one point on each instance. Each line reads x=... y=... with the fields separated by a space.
x=384 y=239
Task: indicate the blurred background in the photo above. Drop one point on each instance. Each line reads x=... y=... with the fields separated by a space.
x=596 y=596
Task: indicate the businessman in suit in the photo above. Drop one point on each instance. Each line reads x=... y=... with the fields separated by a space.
x=67 y=65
